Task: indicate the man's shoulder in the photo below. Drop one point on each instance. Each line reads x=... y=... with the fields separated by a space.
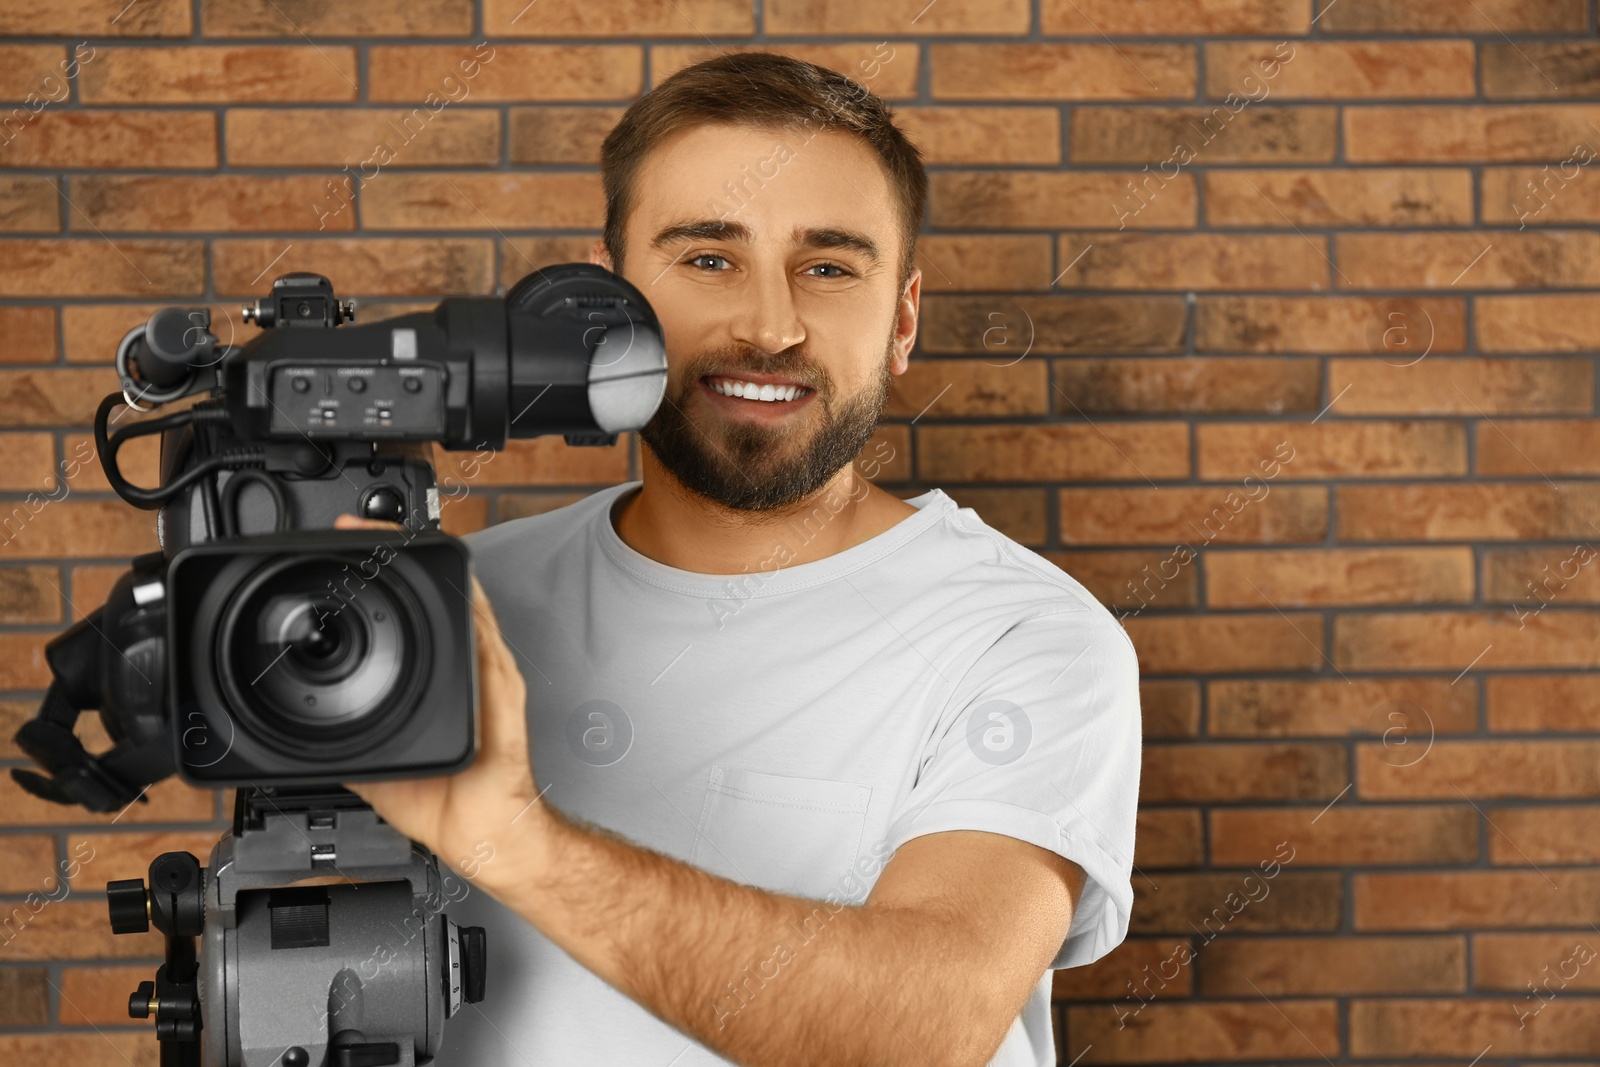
x=544 y=529
x=1029 y=584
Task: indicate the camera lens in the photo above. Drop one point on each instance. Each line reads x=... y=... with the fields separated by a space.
x=321 y=655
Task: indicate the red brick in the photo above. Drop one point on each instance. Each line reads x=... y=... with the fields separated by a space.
x=1304 y=578
x=1534 y=703
x=1452 y=900
x=1193 y=261
x=1168 y=838
x=98 y=996
x=1508 y=133
x=1445 y=16
x=101 y=267
x=1530 y=70
x=1365 y=449
x=29 y=205
x=1396 y=327
x=522 y=256
x=1122 y=516
x=74 y=528
x=75 y=928
x=1522 y=836
x=1567 y=768
x=1330 y=70
x=1218 y=134
x=120 y=854
x=1511 y=961
x=621 y=18
x=1132 y=18
x=438 y=201
x=1171 y=709
x=30 y=594
x=1484 y=511
x=1543 y=322
x=1117 y=452
x=114 y=1048
x=362 y=18
x=1234 y=1032
x=28 y=865
x=218 y=74
x=1131 y=580
x=113 y=203
x=1365 y=196
x=1534 y=578
x=1333 y=707
x=1554 y=259
x=1031 y=200
x=1558 y=192
x=1004 y=329
x=160 y=140
x=1014 y=135
x=957 y=263
x=1020 y=514
x=1347 y=836
x=369 y=266
x=1469 y=386
x=1199 y=903
x=1452 y=640
x=1137 y=967
x=559 y=134
x=1466 y=1028
x=1153 y=385
x=27 y=334
x=1062 y=72
x=942 y=388
x=1206 y=644
x=897 y=17
x=67 y=18
x=1186 y=773
x=1328 y=966
x=519 y=73
x=364 y=139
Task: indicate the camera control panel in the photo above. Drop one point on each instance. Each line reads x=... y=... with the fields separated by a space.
x=353 y=400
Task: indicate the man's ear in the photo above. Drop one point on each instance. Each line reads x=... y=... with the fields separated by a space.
x=599 y=255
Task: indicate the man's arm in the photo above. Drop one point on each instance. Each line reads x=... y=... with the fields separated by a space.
x=932 y=969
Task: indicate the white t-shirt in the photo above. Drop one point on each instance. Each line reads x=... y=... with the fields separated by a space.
x=789 y=728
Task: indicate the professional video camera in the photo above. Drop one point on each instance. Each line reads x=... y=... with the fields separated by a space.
x=263 y=650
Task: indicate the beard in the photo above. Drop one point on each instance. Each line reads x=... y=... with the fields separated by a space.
x=752 y=466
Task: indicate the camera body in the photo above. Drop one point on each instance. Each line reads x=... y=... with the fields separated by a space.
x=261 y=647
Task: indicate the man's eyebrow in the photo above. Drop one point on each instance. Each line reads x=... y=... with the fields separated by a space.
x=733 y=230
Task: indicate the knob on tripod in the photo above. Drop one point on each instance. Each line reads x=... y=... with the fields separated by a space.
x=173 y=903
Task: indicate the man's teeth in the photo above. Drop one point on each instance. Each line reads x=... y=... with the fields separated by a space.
x=752 y=391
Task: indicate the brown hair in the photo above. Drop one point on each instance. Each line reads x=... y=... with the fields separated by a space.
x=767 y=91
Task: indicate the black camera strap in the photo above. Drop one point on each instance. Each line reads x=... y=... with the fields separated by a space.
x=108 y=782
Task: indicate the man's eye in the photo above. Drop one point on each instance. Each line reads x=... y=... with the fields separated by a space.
x=707 y=255
x=843 y=271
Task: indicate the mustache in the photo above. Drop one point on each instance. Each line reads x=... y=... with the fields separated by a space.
x=802 y=371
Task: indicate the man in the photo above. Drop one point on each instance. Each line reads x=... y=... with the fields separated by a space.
x=818 y=775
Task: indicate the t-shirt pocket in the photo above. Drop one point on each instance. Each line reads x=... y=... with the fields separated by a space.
x=790 y=835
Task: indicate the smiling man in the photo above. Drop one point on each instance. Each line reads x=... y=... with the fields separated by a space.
x=779 y=768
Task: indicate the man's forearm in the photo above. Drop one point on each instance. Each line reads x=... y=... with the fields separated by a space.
x=764 y=979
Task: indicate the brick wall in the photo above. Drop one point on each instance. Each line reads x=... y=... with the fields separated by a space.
x=1269 y=320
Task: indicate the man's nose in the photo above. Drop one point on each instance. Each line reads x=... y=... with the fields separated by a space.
x=765 y=315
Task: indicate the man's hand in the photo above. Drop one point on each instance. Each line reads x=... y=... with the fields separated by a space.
x=453 y=815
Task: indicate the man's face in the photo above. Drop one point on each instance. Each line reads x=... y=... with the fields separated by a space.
x=771 y=257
